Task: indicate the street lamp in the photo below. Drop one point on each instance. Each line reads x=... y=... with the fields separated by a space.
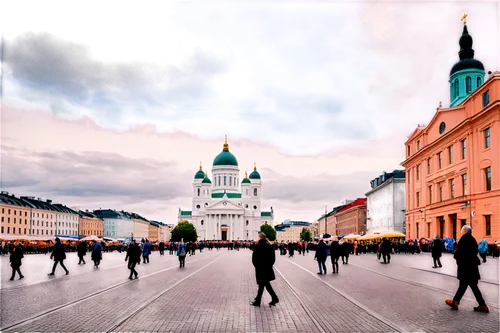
x=468 y=204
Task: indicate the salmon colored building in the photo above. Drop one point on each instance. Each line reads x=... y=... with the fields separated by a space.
x=453 y=163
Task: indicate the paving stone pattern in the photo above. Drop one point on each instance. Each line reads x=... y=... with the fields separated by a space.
x=25 y=301
x=417 y=309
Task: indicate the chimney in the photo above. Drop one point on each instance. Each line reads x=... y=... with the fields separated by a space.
x=39 y=199
x=5 y=192
x=49 y=201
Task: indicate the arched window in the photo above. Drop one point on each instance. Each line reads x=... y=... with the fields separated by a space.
x=455 y=83
x=254 y=192
x=201 y=222
x=468 y=85
x=198 y=192
x=478 y=81
x=247 y=222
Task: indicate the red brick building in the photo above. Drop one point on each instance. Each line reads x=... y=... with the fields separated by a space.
x=351 y=218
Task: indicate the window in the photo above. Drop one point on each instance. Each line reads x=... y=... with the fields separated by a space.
x=486 y=98
x=487 y=223
x=452 y=188
x=429 y=166
x=418 y=199
x=450 y=154
x=428 y=230
x=478 y=81
x=198 y=192
x=418 y=145
x=440 y=160
x=468 y=85
x=254 y=192
x=464 y=184
x=219 y=180
x=225 y=180
x=440 y=185
x=430 y=193
x=15 y=212
x=417 y=230
x=230 y=181
x=418 y=172
x=487 y=138
x=408 y=150
x=464 y=148
x=455 y=89
x=487 y=172
x=247 y=222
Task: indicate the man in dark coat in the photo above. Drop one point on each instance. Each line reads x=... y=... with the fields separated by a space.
x=335 y=255
x=16 y=261
x=134 y=258
x=320 y=256
x=344 y=252
x=436 y=250
x=58 y=254
x=161 y=247
x=386 y=249
x=97 y=254
x=82 y=250
x=467 y=270
x=263 y=258
x=291 y=250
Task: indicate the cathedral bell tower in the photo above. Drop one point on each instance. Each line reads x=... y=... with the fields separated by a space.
x=468 y=73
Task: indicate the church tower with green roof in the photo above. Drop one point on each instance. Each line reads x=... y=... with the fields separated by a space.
x=468 y=73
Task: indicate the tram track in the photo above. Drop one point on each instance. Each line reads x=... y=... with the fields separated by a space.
x=421 y=285
x=363 y=307
x=102 y=291
x=144 y=305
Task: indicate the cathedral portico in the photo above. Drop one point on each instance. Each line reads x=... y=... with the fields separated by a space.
x=225 y=208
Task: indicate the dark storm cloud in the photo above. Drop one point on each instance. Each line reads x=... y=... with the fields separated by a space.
x=136 y=67
x=324 y=189
x=92 y=174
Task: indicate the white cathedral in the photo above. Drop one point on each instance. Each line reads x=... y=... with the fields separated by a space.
x=226 y=209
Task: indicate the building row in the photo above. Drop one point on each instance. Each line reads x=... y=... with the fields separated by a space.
x=289 y=231
x=32 y=216
x=452 y=168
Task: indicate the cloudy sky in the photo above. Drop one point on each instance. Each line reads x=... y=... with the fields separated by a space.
x=114 y=104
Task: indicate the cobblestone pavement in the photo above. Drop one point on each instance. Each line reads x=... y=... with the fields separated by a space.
x=212 y=294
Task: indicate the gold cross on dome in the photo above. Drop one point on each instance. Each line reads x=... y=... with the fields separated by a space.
x=464 y=18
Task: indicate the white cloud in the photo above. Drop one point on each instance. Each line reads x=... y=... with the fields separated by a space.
x=347 y=79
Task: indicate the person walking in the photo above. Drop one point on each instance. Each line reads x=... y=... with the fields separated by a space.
x=386 y=249
x=263 y=258
x=467 y=270
x=146 y=251
x=335 y=255
x=134 y=258
x=82 y=251
x=344 y=251
x=161 y=247
x=436 y=251
x=58 y=254
x=16 y=261
x=97 y=254
x=181 y=253
x=320 y=256
x=483 y=249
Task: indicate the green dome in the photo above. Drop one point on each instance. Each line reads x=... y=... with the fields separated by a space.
x=206 y=180
x=254 y=175
x=199 y=175
x=245 y=181
x=225 y=158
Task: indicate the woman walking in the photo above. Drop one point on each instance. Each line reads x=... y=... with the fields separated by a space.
x=97 y=254
x=335 y=255
x=321 y=254
x=181 y=253
x=15 y=261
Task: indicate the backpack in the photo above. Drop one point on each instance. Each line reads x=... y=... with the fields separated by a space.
x=183 y=251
